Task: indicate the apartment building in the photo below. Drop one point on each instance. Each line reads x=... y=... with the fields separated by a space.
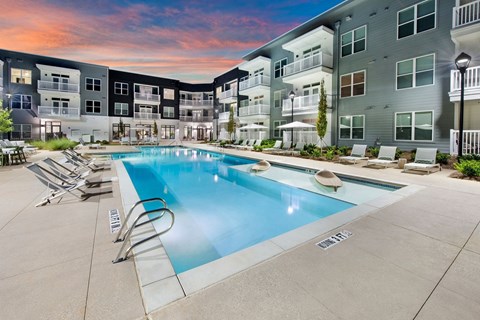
x=387 y=66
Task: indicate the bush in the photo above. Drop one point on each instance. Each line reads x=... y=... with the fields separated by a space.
x=470 y=157
x=374 y=151
x=330 y=154
x=343 y=150
x=442 y=158
x=55 y=144
x=469 y=168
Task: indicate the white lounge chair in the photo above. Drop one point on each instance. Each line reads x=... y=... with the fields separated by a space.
x=285 y=148
x=425 y=159
x=257 y=143
x=299 y=146
x=358 y=153
x=386 y=157
x=275 y=147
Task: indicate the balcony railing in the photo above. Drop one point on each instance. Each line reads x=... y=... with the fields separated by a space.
x=224 y=116
x=228 y=94
x=147 y=97
x=58 y=86
x=472 y=79
x=196 y=103
x=196 y=118
x=146 y=116
x=58 y=112
x=255 y=110
x=466 y=14
x=305 y=64
x=303 y=104
x=471 y=141
x=254 y=81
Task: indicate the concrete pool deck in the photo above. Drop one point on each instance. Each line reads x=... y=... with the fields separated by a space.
x=418 y=258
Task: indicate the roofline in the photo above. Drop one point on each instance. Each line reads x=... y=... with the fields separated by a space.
x=293 y=30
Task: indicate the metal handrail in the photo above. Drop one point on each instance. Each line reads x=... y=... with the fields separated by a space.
x=119 y=238
x=129 y=232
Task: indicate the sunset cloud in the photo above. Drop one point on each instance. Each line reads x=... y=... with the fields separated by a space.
x=185 y=40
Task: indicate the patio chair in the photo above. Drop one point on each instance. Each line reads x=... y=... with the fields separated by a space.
x=243 y=144
x=299 y=146
x=124 y=140
x=257 y=143
x=58 y=187
x=275 y=147
x=72 y=176
x=425 y=159
x=134 y=140
x=386 y=157
x=285 y=148
x=81 y=162
x=358 y=153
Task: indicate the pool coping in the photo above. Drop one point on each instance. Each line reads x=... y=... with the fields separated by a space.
x=159 y=283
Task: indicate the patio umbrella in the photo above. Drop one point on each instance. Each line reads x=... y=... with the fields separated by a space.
x=296 y=125
x=253 y=126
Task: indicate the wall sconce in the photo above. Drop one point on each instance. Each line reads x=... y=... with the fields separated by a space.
x=348 y=18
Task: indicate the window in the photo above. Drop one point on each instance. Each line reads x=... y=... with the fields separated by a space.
x=93 y=106
x=352 y=127
x=354 y=41
x=277 y=133
x=278 y=97
x=169 y=94
x=121 y=109
x=168 y=112
x=417 y=72
x=279 y=67
x=21 y=101
x=121 y=88
x=352 y=84
x=93 y=84
x=167 y=132
x=414 y=126
x=22 y=131
x=416 y=19
x=22 y=76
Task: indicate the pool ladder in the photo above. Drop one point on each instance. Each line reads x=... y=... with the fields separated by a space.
x=128 y=232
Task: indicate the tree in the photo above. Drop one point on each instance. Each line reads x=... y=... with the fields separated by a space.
x=155 y=129
x=6 y=122
x=121 y=128
x=231 y=123
x=322 y=115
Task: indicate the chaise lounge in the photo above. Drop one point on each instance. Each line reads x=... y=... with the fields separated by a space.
x=425 y=159
x=386 y=157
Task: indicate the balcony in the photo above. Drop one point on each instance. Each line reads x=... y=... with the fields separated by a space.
x=139 y=116
x=196 y=118
x=254 y=84
x=228 y=96
x=49 y=112
x=301 y=105
x=147 y=97
x=58 y=86
x=255 y=110
x=225 y=116
x=472 y=84
x=197 y=104
x=308 y=68
x=466 y=25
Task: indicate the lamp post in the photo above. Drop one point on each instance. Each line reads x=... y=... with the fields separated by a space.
x=292 y=96
x=462 y=62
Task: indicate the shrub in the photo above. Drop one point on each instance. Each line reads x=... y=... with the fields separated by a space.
x=374 y=151
x=343 y=150
x=442 y=158
x=316 y=153
x=469 y=168
x=55 y=144
x=470 y=157
x=330 y=154
x=398 y=153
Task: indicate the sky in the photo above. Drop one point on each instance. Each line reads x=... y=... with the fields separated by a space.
x=192 y=41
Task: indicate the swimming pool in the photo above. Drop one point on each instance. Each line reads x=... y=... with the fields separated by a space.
x=220 y=206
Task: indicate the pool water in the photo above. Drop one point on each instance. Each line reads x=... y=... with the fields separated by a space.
x=219 y=210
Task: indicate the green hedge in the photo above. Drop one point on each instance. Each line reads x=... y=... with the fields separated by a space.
x=54 y=144
x=469 y=168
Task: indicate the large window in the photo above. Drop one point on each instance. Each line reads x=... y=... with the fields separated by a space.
x=22 y=131
x=416 y=19
x=21 y=101
x=93 y=84
x=414 y=126
x=352 y=127
x=278 y=98
x=93 y=106
x=167 y=132
x=121 y=88
x=22 y=76
x=277 y=133
x=121 y=109
x=278 y=67
x=353 y=84
x=169 y=94
x=168 y=112
x=354 y=41
x=416 y=72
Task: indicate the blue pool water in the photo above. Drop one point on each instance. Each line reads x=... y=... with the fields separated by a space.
x=219 y=210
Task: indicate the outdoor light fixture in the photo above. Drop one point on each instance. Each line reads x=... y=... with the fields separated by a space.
x=462 y=62
x=292 y=96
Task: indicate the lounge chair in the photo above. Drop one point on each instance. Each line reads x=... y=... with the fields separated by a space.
x=386 y=157
x=358 y=153
x=275 y=147
x=257 y=143
x=285 y=148
x=241 y=145
x=124 y=140
x=425 y=159
x=299 y=146
x=81 y=162
x=58 y=187
x=74 y=176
